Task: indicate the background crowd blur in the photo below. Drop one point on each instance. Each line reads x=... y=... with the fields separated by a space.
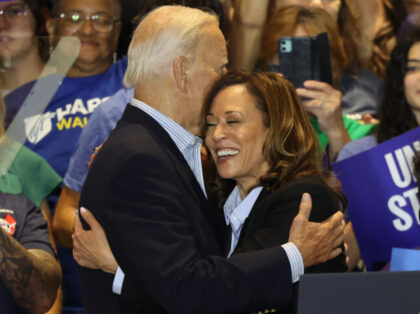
x=373 y=96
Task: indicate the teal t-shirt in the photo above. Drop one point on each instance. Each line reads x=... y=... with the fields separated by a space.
x=354 y=128
x=29 y=174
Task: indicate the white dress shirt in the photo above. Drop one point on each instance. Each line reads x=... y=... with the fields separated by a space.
x=190 y=147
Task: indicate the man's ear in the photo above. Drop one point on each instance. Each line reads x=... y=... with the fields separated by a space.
x=179 y=67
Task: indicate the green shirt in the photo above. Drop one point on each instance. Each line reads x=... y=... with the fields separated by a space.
x=355 y=129
x=30 y=175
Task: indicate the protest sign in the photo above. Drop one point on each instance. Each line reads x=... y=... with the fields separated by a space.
x=383 y=197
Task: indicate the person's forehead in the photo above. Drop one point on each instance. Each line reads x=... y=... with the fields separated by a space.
x=88 y=6
x=414 y=51
x=6 y=3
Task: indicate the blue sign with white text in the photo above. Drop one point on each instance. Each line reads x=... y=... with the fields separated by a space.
x=382 y=194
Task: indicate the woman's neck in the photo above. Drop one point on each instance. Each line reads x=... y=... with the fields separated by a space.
x=22 y=71
x=246 y=186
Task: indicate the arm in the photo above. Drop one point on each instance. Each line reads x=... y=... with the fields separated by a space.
x=64 y=216
x=271 y=218
x=353 y=251
x=46 y=212
x=325 y=103
x=67 y=206
x=90 y=247
x=245 y=36
x=31 y=276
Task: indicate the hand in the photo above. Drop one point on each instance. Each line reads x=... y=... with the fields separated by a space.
x=95 y=152
x=325 y=104
x=369 y=119
x=317 y=242
x=90 y=247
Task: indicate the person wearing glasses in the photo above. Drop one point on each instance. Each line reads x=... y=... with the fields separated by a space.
x=91 y=80
x=22 y=48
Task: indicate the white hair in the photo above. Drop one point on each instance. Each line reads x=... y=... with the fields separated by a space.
x=164 y=34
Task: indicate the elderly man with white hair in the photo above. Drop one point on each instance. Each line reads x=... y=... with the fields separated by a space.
x=146 y=189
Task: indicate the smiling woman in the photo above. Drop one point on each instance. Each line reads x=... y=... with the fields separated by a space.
x=96 y=25
x=258 y=135
x=22 y=52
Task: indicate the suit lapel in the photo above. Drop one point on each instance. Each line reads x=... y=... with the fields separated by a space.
x=257 y=211
x=135 y=115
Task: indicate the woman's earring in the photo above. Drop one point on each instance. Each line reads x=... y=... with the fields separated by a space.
x=114 y=57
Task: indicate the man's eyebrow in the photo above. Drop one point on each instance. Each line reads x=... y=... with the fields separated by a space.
x=413 y=60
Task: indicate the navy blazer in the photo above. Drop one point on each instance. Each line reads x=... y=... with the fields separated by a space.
x=164 y=235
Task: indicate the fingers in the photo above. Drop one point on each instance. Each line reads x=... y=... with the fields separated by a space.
x=305 y=206
x=318 y=85
x=88 y=217
x=313 y=94
x=334 y=253
x=346 y=252
x=77 y=224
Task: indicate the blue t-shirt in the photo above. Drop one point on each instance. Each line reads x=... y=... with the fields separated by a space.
x=56 y=132
x=101 y=123
x=357 y=146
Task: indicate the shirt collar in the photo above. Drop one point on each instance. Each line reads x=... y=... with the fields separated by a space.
x=236 y=210
x=181 y=136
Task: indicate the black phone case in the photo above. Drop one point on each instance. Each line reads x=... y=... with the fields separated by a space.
x=305 y=58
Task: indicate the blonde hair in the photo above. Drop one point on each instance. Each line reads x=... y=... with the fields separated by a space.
x=164 y=34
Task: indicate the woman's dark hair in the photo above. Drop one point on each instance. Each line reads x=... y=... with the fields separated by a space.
x=394 y=112
x=291 y=148
x=348 y=17
x=40 y=9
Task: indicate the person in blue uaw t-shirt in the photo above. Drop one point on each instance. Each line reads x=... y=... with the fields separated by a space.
x=91 y=80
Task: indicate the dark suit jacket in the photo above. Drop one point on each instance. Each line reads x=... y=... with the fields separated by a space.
x=271 y=217
x=164 y=235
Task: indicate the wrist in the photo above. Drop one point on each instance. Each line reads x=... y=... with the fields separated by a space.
x=110 y=268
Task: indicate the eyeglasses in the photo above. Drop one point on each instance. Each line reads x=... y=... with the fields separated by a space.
x=14 y=12
x=74 y=21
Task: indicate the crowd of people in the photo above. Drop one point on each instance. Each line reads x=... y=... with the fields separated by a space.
x=175 y=167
